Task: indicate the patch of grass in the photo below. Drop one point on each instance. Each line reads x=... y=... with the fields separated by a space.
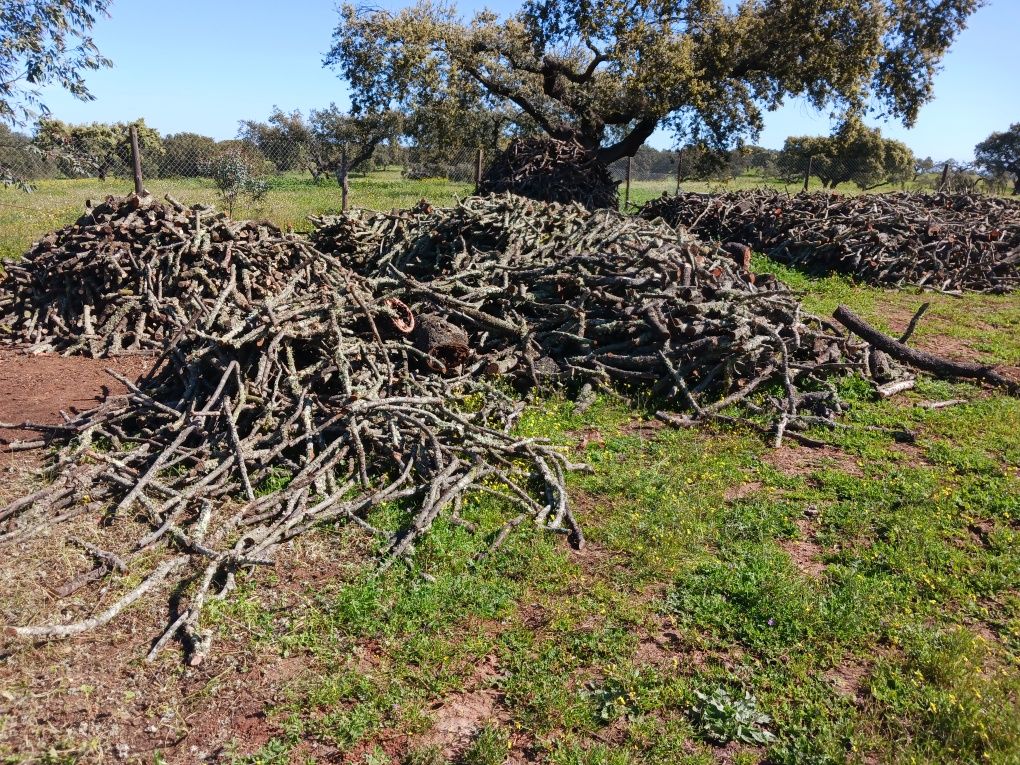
x=984 y=327
x=490 y=747
x=949 y=699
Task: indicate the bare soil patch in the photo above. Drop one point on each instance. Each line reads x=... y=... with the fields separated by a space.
x=804 y=460
x=459 y=717
x=36 y=387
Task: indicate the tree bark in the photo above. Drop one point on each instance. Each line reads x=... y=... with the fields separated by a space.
x=628 y=146
x=922 y=360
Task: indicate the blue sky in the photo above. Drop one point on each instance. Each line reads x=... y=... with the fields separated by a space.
x=203 y=65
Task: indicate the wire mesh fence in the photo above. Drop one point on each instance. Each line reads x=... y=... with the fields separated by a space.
x=46 y=181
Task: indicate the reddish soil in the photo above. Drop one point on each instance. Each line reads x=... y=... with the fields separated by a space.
x=35 y=388
x=804 y=460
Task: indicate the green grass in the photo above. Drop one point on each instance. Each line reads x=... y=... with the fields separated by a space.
x=907 y=599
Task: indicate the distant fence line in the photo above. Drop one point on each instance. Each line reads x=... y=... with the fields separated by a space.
x=238 y=169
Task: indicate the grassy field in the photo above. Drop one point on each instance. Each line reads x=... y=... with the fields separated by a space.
x=736 y=604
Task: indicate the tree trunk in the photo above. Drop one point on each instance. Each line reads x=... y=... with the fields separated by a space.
x=627 y=146
x=1016 y=184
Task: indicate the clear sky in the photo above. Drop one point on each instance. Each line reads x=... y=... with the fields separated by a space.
x=203 y=65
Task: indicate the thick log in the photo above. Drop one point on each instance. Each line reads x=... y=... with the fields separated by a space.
x=928 y=362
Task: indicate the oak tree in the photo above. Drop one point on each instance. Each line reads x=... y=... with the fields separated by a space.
x=999 y=154
x=854 y=153
x=343 y=142
x=97 y=149
x=607 y=73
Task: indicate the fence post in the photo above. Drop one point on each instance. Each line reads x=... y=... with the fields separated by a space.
x=136 y=157
x=807 y=173
x=945 y=177
x=626 y=194
x=478 y=170
x=679 y=170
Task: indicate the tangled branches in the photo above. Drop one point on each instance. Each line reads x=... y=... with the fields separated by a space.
x=131 y=273
x=399 y=382
x=550 y=170
x=938 y=241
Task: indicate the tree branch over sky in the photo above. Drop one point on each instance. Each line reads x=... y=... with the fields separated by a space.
x=45 y=42
x=608 y=73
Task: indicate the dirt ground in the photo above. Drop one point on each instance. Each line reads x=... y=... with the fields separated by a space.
x=35 y=388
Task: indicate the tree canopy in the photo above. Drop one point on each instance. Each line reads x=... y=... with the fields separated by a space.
x=999 y=154
x=342 y=142
x=45 y=42
x=853 y=153
x=284 y=138
x=98 y=148
x=607 y=73
x=186 y=155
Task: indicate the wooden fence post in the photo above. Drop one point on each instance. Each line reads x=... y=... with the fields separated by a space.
x=626 y=193
x=679 y=169
x=136 y=157
x=478 y=170
x=945 y=177
x=807 y=173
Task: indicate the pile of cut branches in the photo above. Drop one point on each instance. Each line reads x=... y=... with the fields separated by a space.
x=945 y=242
x=132 y=272
x=551 y=170
x=399 y=383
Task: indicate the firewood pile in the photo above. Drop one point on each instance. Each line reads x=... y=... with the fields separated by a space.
x=550 y=170
x=396 y=382
x=129 y=275
x=945 y=242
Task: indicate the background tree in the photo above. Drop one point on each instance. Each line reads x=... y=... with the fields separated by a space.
x=45 y=42
x=854 y=153
x=447 y=129
x=343 y=142
x=186 y=155
x=607 y=73
x=21 y=161
x=999 y=154
x=98 y=149
x=284 y=139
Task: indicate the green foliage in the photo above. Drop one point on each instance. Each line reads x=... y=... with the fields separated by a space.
x=98 y=149
x=274 y=752
x=21 y=161
x=853 y=153
x=489 y=747
x=41 y=43
x=341 y=143
x=284 y=139
x=607 y=73
x=186 y=155
x=722 y=718
x=239 y=174
x=999 y=154
x=425 y=755
x=949 y=700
